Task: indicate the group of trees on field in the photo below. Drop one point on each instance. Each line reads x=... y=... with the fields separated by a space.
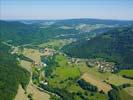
x=114 y=93
x=87 y=86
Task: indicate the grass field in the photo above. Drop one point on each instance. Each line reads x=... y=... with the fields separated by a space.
x=129 y=90
x=126 y=72
x=26 y=65
x=118 y=80
x=100 y=84
x=56 y=44
x=21 y=94
x=63 y=71
x=125 y=96
x=33 y=54
x=36 y=93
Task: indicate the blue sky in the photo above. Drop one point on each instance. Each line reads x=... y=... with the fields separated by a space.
x=66 y=9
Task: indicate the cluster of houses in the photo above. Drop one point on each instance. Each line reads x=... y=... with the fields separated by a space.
x=47 y=51
x=40 y=64
x=73 y=60
x=15 y=50
x=102 y=65
x=44 y=52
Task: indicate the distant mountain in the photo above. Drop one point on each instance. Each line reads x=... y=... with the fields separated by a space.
x=115 y=45
x=93 y=21
x=38 y=31
x=72 y=22
x=19 y=33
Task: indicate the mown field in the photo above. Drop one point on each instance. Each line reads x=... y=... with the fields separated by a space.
x=55 y=44
x=126 y=72
x=129 y=90
x=125 y=95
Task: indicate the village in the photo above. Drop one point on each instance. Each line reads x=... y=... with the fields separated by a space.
x=37 y=68
x=100 y=64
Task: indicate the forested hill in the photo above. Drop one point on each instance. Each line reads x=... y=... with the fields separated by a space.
x=93 y=21
x=11 y=74
x=115 y=45
x=16 y=32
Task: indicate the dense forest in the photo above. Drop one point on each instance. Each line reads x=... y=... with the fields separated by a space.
x=18 y=33
x=92 y=21
x=11 y=74
x=87 y=86
x=115 y=45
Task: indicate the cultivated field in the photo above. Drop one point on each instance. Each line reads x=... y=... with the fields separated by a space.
x=118 y=80
x=56 y=44
x=36 y=93
x=129 y=90
x=101 y=85
x=21 y=94
x=26 y=65
x=126 y=72
x=33 y=54
x=125 y=95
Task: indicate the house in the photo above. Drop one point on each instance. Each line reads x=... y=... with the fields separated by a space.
x=44 y=83
x=48 y=52
x=39 y=64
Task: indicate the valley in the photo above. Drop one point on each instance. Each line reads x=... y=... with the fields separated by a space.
x=64 y=72
x=83 y=60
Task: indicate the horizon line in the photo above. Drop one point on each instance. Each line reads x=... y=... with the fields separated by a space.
x=26 y=19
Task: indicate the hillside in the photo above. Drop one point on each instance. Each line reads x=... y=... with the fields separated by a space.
x=18 y=33
x=92 y=21
x=115 y=45
x=11 y=74
x=39 y=31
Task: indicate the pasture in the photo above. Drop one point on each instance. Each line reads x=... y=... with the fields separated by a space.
x=126 y=72
x=55 y=44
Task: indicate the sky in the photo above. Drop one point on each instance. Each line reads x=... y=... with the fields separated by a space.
x=66 y=9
